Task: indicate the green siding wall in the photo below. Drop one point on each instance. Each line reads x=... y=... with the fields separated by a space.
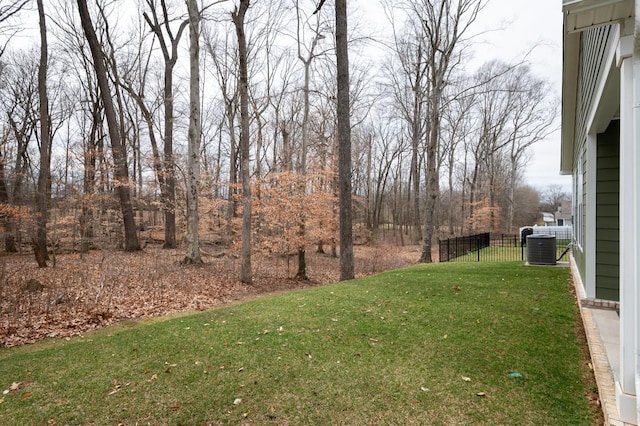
x=580 y=211
x=607 y=214
x=593 y=46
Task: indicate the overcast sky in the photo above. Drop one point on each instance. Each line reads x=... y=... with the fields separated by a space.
x=508 y=29
x=530 y=23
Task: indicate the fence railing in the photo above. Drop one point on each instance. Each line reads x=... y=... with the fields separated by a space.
x=453 y=248
x=487 y=247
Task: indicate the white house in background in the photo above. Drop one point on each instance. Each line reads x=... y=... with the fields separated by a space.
x=601 y=149
x=564 y=215
x=548 y=219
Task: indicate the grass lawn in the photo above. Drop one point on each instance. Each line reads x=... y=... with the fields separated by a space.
x=438 y=344
x=501 y=254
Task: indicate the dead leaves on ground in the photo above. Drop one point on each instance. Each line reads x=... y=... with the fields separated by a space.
x=101 y=288
x=12 y=388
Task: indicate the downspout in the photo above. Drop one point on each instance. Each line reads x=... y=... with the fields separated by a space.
x=636 y=185
x=627 y=379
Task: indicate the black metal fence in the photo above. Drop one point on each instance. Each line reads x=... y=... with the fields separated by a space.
x=454 y=248
x=487 y=247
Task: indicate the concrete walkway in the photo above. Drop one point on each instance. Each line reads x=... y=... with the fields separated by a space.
x=602 y=329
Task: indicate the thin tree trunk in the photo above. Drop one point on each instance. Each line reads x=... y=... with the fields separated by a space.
x=43 y=191
x=170 y=59
x=238 y=18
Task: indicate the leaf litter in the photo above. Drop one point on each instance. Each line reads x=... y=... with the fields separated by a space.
x=100 y=288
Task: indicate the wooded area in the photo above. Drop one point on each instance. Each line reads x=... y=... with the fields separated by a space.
x=273 y=127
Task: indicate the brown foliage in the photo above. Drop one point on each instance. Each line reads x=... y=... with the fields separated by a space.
x=288 y=200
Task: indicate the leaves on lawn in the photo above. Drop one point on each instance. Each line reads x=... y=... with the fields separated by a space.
x=104 y=287
x=117 y=387
x=14 y=387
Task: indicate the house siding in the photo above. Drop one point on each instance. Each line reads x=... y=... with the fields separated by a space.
x=592 y=69
x=607 y=214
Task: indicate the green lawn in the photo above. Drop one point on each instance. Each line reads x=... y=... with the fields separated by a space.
x=440 y=344
x=502 y=254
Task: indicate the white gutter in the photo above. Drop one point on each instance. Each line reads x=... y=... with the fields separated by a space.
x=569 y=10
x=636 y=197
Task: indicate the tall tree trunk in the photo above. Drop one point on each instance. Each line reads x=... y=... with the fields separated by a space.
x=119 y=155
x=195 y=130
x=170 y=55
x=433 y=189
x=238 y=19
x=7 y=220
x=170 y=179
x=43 y=192
x=344 y=144
x=416 y=137
x=233 y=168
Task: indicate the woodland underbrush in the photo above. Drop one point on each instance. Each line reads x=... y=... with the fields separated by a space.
x=80 y=292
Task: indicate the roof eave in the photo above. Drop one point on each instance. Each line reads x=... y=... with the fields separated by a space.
x=571 y=50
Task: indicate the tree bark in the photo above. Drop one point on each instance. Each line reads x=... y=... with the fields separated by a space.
x=195 y=130
x=238 y=19
x=344 y=144
x=119 y=155
x=43 y=192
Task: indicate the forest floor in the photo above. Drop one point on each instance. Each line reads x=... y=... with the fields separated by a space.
x=77 y=293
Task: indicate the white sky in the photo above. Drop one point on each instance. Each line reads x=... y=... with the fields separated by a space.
x=529 y=23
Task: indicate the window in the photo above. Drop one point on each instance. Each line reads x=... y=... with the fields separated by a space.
x=578 y=202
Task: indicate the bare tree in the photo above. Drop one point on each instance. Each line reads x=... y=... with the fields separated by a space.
x=408 y=83
x=8 y=10
x=238 y=16
x=195 y=130
x=444 y=25
x=43 y=192
x=532 y=119
x=121 y=173
x=169 y=50
x=344 y=144
x=89 y=116
x=19 y=102
x=553 y=196
x=225 y=65
x=306 y=59
x=458 y=120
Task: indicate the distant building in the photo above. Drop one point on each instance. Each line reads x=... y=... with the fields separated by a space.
x=548 y=219
x=564 y=215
